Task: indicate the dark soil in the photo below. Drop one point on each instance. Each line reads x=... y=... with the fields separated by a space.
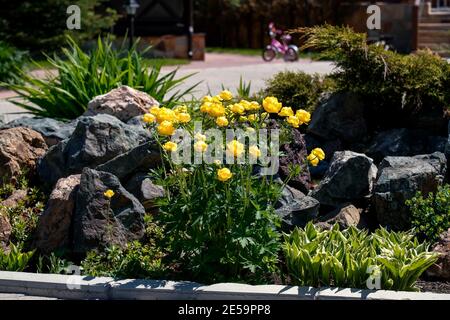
x=433 y=286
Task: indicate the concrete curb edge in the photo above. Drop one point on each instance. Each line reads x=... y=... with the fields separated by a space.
x=84 y=287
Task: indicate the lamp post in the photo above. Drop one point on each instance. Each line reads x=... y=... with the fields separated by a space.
x=131 y=7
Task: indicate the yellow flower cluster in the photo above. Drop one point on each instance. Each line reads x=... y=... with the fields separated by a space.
x=225 y=112
x=214 y=107
x=316 y=156
x=167 y=118
x=300 y=117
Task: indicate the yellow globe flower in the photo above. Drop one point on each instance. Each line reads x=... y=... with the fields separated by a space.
x=237 y=108
x=166 y=128
x=316 y=156
x=264 y=115
x=243 y=119
x=149 y=118
x=254 y=105
x=224 y=174
x=217 y=99
x=293 y=121
x=154 y=110
x=319 y=153
x=200 y=137
x=304 y=116
x=226 y=95
x=207 y=99
x=183 y=117
x=181 y=109
x=272 y=105
x=286 y=112
x=313 y=160
x=200 y=146
x=246 y=104
x=205 y=107
x=222 y=121
x=254 y=151
x=170 y=146
x=109 y=193
x=235 y=148
x=166 y=114
x=252 y=117
x=216 y=110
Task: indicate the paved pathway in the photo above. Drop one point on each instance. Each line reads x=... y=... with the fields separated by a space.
x=215 y=71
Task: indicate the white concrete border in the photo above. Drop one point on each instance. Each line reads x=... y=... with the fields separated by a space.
x=76 y=287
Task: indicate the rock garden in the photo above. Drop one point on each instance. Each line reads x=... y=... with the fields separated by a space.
x=361 y=196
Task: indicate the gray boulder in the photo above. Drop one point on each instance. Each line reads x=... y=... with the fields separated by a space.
x=53 y=131
x=339 y=116
x=141 y=186
x=124 y=103
x=95 y=141
x=296 y=209
x=141 y=158
x=100 y=221
x=404 y=142
x=350 y=177
x=136 y=121
x=399 y=179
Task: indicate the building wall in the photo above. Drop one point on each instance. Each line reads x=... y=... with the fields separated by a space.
x=397 y=22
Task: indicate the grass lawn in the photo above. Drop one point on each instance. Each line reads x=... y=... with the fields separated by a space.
x=257 y=52
x=44 y=64
x=166 y=61
x=241 y=51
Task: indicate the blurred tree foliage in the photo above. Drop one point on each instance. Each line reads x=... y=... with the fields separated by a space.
x=41 y=25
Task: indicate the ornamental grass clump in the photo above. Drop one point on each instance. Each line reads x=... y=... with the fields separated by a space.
x=218 y=209
x=82 y=76
x=353 y=258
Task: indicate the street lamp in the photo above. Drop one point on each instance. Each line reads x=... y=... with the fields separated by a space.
x=131 y=7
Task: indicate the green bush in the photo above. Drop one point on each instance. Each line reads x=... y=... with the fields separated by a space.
x=82 y=76
x=398 y=84
x=136 y=261
x=41 y=25
x=342 y=258
x=11 y=60
x=431 y=214
x=298 y=89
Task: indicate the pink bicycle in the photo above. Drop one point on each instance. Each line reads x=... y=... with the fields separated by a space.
x=280 y=48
